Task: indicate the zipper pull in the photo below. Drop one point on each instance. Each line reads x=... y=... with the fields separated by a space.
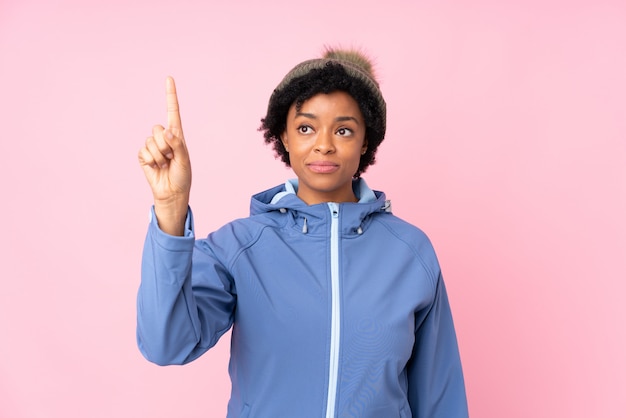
x=334 y=209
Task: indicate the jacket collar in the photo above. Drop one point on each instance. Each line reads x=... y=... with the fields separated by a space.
x=315 y=219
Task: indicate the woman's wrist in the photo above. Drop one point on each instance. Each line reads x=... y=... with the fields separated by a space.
x=171 y=214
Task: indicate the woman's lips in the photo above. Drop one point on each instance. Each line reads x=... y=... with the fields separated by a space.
x=323 y=167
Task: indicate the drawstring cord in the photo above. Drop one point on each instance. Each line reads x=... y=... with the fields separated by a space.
x=305 y=227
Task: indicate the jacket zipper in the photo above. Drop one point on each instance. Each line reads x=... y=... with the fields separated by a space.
x=335 y=311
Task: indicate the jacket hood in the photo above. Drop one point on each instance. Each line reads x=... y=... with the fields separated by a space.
x=314 y=219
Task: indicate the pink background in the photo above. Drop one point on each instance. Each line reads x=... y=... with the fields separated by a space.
x=506 y=144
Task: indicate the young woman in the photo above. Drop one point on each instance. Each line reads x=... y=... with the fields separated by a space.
x=337 y=307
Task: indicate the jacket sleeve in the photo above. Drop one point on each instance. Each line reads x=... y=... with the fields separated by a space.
x=186 y=298
x=436 y=386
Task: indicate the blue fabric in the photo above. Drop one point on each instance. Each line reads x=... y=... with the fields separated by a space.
x=271 y=282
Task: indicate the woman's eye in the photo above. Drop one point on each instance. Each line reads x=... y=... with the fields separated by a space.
x=304 y=129
x=344 y=132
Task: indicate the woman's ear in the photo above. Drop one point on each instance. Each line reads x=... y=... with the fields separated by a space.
x=285 y=141
x=364 y=147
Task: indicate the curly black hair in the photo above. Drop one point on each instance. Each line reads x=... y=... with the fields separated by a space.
x=327 y=79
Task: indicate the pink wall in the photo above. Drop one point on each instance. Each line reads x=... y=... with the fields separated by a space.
x=506 y=144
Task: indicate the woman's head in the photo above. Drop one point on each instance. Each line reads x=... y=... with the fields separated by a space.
x=347 y=71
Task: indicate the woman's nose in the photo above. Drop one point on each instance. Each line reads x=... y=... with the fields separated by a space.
x=324 y=142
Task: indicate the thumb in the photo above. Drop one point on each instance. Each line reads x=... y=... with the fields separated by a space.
x=177 y=145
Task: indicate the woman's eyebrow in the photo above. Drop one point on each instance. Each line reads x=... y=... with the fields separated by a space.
x=337 y=119
x=346 y=118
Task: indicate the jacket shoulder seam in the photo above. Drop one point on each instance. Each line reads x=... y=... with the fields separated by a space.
x=253 y=240
x=431 y=274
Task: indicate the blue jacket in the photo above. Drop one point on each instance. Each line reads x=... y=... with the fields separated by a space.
x=337 y=310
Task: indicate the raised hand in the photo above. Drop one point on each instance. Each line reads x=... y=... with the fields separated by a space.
x=165 y=162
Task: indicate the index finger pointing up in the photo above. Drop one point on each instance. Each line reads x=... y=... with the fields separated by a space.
x=173 y=113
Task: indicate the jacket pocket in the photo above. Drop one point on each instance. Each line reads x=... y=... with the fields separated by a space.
x=388 y=411
x=405 y=412
x=245 y=411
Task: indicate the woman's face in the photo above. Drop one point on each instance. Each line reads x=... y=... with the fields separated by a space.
x=325 y=139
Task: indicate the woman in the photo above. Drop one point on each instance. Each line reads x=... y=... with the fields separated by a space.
x=337 y=307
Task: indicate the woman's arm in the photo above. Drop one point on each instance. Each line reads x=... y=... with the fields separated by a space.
x=436 y=384
x=185 y=300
